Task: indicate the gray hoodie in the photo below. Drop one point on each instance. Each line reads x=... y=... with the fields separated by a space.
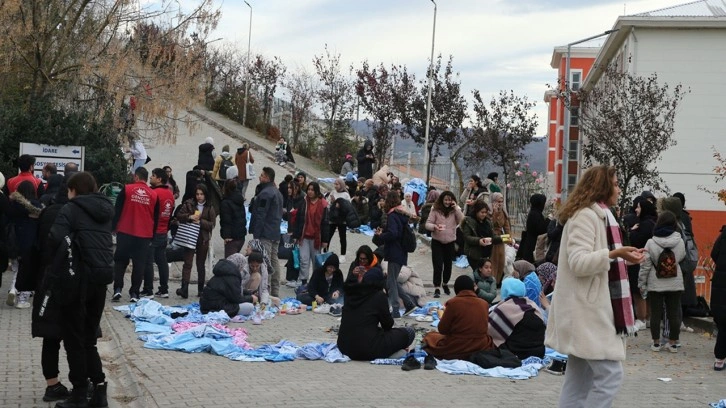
x=647 y=281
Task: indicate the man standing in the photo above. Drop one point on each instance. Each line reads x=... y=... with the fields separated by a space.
x=157 y=250
x=265 y=222
x=137 y=213
x=25 y=165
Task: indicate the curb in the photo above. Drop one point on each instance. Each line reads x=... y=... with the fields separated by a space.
x=126 y=390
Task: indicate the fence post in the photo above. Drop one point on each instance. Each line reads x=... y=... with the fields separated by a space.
x=408 y=165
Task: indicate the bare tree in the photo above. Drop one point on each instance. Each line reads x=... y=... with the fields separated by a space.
x=448 y=110
x=627 y=121
x=265 y=74
x=302 y=90
x=383 y=94
x=501 y=130
x=335 y=93
x=92 y=56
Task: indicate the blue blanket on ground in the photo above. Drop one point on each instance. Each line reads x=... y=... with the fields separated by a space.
x=155 y=320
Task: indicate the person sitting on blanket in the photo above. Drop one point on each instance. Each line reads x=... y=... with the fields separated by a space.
x=326 y=284
x=254 y=276
x=366 y=326
x=525 y=271
x=516 y=322
x=222 y=292
x=486 y=286
x=364 y=261
x=463 y=327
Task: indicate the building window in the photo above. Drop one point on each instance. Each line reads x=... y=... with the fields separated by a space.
x=575 y=80
x=572 y=150
x=574 y=116
x=571 y=181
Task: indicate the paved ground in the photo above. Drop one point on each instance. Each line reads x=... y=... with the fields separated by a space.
x=147 y=378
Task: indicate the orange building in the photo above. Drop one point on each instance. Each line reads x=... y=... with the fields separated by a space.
x=581 y=60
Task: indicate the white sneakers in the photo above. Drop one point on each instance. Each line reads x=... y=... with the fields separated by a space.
x=23 y=302
x=293 y=284
x=639 y=325
x=342 y=259
x=12 y=293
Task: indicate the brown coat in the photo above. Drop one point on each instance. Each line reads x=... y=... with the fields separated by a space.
x=241 y=159
x=463 y=328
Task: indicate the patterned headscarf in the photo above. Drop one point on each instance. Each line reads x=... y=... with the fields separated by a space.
x=547 y=273
x=240 y=262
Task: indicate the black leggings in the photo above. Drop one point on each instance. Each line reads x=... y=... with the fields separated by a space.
x=342 y=228
x=442 y=256
x=719 y=350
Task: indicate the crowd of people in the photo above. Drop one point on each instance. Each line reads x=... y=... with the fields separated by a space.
x=644 y=257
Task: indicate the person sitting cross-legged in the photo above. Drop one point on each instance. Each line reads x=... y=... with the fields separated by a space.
x=223 y=292
x=366 y=327
x=517 y=322
x=463 y=327
x=326 y=284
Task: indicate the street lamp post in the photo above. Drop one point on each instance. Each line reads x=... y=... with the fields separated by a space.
x=428 y=101
x=247 y=68
x=568 y=117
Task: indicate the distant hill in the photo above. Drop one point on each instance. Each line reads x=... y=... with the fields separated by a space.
x=536 y=152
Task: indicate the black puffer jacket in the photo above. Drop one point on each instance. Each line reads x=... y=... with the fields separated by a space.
x=205 y=161
x=47 y=326
x=366 y=327
x=718 y=281
x=88 y=218
x=223 y=291
x=342 y=212
x=233 y=218
x=318 y=285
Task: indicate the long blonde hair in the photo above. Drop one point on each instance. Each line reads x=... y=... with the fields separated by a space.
x=596 y=185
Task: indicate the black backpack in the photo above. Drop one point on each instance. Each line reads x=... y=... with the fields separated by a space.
x=408 y=239
x=666 y=265
x=226 y=163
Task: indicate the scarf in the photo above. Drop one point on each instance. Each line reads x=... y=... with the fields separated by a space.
x=618 y=279
x=506 y=315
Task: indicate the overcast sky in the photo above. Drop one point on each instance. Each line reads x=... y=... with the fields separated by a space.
x=496 y=44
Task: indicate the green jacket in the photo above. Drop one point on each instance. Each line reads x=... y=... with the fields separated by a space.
x=486 y=287
x=473 y=251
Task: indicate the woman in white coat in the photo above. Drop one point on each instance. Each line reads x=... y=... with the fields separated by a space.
x=588 y=320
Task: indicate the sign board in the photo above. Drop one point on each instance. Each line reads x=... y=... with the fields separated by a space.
x=58 y=155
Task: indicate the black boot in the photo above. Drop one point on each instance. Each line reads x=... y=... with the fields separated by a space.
x=184 y=290
x=78 y=399
x=99 y=399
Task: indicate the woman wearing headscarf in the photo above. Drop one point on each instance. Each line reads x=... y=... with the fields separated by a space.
x=205 y=160
x=526 y=273
x=536 y=226
x=547 y=273
x=463 y=328
x=222 y=292
x=500 y=226
x=366 y=326
x=587 y=320
x=517 y=322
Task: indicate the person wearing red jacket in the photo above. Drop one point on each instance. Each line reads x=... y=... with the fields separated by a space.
x=25 y=165
x=136 y=219
x=157 y=250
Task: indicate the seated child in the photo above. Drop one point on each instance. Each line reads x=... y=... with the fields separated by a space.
x=486 y=286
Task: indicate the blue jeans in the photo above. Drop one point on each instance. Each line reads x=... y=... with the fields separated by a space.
x=394 y=270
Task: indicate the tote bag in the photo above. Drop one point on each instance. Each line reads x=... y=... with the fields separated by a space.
x=250 y=168
x=186 y=235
